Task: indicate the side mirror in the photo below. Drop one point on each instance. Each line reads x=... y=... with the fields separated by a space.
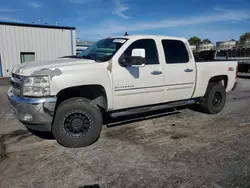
x=138 y=53
x=137 y=58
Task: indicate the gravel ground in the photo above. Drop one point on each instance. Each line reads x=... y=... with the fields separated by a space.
x=186 y=149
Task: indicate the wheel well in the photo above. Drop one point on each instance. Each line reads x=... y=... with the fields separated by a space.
x=222 y=79
x=95 y=93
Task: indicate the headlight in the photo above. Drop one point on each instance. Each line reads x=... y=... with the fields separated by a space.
x=36 y=86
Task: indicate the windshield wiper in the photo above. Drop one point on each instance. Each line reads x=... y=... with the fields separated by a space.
x=70 y=56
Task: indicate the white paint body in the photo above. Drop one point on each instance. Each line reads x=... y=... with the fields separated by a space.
x=136 y=86
x=46 y=43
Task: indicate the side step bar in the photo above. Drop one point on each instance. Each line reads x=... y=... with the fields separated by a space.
x=138 y=110
x=132 y=119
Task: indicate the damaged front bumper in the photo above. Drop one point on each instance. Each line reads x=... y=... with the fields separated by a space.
x=34 y=113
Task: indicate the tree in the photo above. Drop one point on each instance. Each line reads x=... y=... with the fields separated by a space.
x=245 y=37
x=194 y=40
x=205 y=41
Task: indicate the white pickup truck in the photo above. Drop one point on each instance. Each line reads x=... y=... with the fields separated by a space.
x=116 y=76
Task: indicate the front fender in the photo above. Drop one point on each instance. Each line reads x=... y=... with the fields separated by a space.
x=80 y=77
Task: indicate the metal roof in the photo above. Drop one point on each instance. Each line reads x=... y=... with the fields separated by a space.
x=83 y=45
x=36 y=25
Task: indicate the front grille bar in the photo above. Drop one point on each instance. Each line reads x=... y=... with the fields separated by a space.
x=16 y=83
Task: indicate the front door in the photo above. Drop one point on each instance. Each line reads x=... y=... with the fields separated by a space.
x=138 y=86
x=180 y=71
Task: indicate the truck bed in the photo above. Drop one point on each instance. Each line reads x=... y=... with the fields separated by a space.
x=204 y=74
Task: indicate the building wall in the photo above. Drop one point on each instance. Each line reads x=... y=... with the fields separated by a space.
x=46 y=43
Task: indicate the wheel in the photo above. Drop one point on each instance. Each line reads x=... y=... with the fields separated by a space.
x=215 y=98
x=78 y=123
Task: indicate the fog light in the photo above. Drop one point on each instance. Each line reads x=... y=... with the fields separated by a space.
x=27 y=117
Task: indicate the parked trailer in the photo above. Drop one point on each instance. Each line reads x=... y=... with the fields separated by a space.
x=235 y=51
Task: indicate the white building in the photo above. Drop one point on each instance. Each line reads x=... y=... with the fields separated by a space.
x=21 y=42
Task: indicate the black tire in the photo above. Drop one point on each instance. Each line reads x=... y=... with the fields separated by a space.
x=78 y=123
x=215 y=98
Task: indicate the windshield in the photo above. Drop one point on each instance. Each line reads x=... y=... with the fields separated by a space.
x=103 y=50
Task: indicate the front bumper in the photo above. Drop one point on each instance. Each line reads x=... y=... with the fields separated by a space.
x=34 y=113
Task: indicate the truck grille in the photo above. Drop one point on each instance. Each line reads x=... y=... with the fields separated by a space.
x=16 y=76
x=16 y=83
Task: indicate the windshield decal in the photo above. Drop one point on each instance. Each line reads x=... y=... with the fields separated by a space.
x=119 y=40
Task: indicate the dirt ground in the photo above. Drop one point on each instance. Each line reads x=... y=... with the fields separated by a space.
x=187 y=149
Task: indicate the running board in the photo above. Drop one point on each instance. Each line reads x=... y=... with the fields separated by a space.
x=138 y=110
x=132 y=119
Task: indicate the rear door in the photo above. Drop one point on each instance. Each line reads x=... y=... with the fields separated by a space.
x=180 y=70
x=138 y=86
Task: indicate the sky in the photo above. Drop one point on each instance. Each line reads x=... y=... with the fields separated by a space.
x=95 y=19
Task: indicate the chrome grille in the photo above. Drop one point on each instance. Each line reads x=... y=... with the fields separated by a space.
x=16 y=83
x=16 y=76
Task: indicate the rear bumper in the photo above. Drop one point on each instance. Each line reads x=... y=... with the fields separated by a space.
x=34 y=113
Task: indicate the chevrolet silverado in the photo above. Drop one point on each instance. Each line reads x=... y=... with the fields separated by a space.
x=115 y=76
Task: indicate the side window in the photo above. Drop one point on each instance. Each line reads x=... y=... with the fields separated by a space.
x=175 y=51
x=150 y=50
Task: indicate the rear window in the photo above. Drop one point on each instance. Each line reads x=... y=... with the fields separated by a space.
x=175 y=51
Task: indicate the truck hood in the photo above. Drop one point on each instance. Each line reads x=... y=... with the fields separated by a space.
x=36 y=67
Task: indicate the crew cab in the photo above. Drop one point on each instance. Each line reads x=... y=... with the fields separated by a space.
x=116 y=76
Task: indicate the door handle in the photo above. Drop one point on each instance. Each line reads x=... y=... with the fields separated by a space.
x=156 y=72
x=188 y=70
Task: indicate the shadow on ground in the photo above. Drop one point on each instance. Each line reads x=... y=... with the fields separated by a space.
x=90 y=186
x=109 y=122
x=41 y=134
x=120 y=121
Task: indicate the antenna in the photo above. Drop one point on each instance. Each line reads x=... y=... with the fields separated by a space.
x=126 y=34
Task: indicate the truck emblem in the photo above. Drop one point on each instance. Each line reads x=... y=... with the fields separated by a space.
x=124 y=87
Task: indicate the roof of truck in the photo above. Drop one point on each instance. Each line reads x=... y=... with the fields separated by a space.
x=149 y=36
